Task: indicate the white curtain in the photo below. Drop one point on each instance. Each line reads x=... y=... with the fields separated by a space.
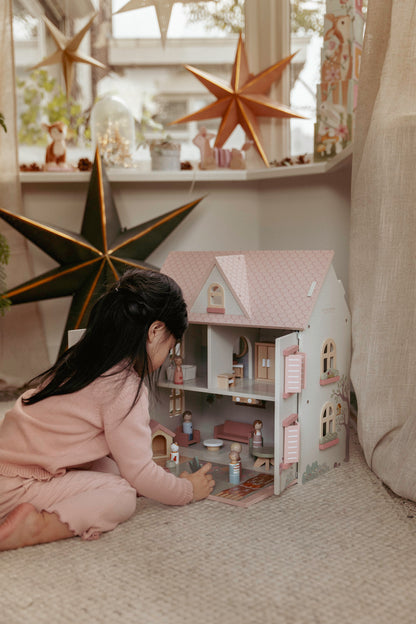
x=23 y=351
x=383 y=245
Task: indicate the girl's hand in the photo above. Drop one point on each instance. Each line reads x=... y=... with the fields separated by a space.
x=202 y=482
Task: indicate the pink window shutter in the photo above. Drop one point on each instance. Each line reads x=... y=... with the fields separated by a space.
x=293 y=373
x=291 y=444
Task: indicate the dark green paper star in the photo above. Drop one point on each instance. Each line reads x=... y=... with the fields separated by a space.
x=94 y=259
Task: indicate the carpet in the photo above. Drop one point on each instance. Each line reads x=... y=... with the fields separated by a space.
x=339 y=550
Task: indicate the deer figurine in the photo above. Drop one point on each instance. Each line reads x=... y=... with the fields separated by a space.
x=214 y=157
x=56 y=150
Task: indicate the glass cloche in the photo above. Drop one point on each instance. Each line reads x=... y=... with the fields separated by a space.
x=112 y=131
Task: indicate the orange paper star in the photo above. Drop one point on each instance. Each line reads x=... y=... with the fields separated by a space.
x=242 y=101
x=67 y=52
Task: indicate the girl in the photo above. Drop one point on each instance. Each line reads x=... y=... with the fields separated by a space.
x=76 y=450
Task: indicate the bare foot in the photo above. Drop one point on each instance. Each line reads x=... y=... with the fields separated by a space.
x=25 y=526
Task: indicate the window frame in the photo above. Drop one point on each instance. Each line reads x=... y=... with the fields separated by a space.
x=328 y=426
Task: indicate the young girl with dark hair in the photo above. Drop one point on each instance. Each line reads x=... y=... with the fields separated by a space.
x=75 y=450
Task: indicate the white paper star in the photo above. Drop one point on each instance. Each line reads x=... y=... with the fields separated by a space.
x=67 y=52
x=163 y=10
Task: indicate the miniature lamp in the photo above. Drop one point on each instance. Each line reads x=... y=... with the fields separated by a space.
x=112 y=130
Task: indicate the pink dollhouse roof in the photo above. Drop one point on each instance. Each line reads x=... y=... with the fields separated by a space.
x=156 y=426
x=276 y=289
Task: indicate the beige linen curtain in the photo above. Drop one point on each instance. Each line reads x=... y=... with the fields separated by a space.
x=383 y=245
x=23 y=351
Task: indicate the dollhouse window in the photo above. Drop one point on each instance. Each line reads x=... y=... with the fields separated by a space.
x=216 y=303
x=327 y=419
x=176 y=402
x=329 y=435
x=329 y=372
x=328 y=355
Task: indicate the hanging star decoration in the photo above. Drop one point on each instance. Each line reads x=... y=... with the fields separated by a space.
x=95 y=258
x=243 y=100
x=67 y=52
x=163 y=10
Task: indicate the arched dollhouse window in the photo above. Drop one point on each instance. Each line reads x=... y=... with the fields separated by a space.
x=328 y=356
x=328 y=419
x=216 y=304
x=329 y=435
x=329 y=372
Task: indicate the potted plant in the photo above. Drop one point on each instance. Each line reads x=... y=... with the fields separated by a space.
x=165 y=155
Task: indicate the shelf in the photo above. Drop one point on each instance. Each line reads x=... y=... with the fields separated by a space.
x=143 y=174
x=244 y=388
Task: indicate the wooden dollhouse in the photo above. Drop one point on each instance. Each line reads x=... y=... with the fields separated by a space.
x=277 y=326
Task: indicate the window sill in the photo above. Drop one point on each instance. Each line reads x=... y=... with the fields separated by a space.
x=215 y=175
x=330 y=380
x=322 y=447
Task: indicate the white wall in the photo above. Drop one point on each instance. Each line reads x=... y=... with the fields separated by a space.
x=299 y=212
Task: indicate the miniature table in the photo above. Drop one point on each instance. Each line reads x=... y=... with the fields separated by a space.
x=264 y=455
x=213 y=444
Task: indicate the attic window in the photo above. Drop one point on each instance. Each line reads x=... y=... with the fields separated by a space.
x=216 y=303
x=329 y=372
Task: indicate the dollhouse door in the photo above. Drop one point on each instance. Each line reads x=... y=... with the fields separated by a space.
x=264 y=361
x=286 y=428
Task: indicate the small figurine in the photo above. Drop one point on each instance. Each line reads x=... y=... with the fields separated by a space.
x=178 y=374
x=257 y=435
x=171 y=466
x=174 y=452
x=56 y=151
x=234 y=468
x=194 y=464
x=187 y=426
x=237 y=448
x=214 y=157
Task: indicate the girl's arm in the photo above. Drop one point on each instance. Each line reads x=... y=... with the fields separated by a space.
x=130 y=443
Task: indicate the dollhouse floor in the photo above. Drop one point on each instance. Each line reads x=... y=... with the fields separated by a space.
x=255 y=484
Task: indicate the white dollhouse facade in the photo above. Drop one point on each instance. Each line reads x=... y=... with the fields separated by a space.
x=288 y=310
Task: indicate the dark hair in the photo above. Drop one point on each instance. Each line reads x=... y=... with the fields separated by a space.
x=116 y=333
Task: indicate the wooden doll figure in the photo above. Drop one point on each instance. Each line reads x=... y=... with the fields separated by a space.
x=178 y=374
x=257 y=435
x=187 y=426
x=234 y=468
x=237 y=448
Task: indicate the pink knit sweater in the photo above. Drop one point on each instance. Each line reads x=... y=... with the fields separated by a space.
x=44 y=439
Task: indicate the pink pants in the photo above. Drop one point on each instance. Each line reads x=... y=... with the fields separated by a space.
x=88 y=501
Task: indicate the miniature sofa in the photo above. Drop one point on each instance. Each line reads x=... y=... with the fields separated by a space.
x=235 y=431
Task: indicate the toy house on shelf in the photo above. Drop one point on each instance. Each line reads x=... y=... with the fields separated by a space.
x=280 y=319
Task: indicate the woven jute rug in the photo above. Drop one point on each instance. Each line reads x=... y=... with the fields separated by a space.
x=339 y=550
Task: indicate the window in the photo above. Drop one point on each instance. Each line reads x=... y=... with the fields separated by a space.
x=328 y=356
x=327 y=419
x=328 y=433
x=307 y=20
x=329 y=372
x=216 y=299
x=150 y=77
x=176 y=402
